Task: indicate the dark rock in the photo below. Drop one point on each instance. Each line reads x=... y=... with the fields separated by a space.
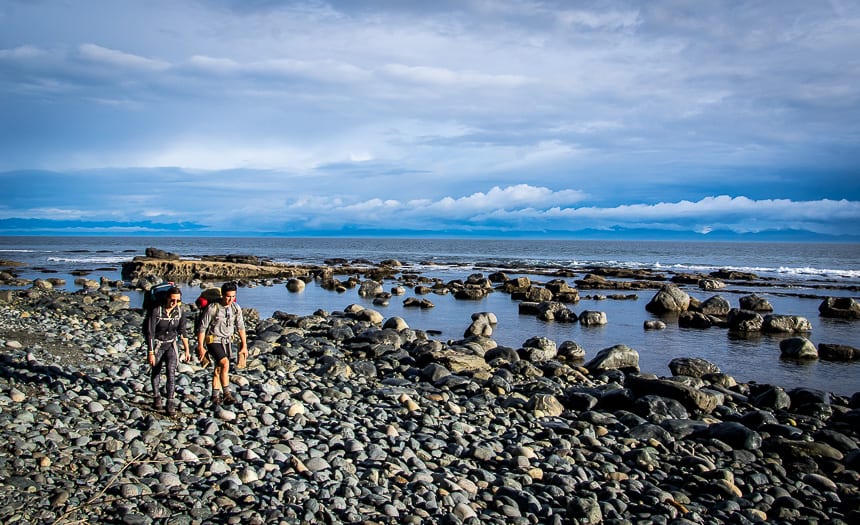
x=668 y=299
x=840 y=308
x=836 y=352
x=692 y=366
x=735 y=435
x=755 y=303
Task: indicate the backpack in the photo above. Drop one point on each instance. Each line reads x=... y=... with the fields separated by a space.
x=207 y=297
x=152 y=299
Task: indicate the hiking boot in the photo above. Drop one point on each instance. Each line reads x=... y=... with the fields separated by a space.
x=216 y=398
x=156 y=403
x=228 y=398
x=171 y=407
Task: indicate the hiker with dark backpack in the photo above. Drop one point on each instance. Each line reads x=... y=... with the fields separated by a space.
x=165 y=326
x=218 y=323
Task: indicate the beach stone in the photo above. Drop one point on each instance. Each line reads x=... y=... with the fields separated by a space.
x=658 y=408
x=545 y=405
x=798 y=348
x=592 y=318
x=395 y=323
x=694 y=320
x=840 y=308
x=689 y=397
x=571 y=350
x=480 y=327
x=744 y=321
x=755 y=303
x=539 y=349
x=296 y=285
x=735 y=435
x=654 y=325
x=715 y=305
x=17 y=396
x=837 y=352
x=670 y=298
x=772 y=397
x=786 y=323
x=692 y=366
x=618 y=357
x=711 y=284
x=584 y=510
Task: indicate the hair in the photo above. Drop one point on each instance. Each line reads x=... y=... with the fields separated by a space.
x=174 y=290
x=228 y=287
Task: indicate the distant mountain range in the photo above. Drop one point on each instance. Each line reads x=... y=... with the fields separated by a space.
x=51 y=227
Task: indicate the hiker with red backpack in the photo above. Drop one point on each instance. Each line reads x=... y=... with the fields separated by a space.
x=165 y=325
x=218 y=323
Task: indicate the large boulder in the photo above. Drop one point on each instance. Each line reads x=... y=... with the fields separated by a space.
x=692 y=366
x=539 y=349
x=715 y=305
x=786 y=324
x=797 y=348
x=755 y=303
x=835 y=352
x=155 y=253
x=839 y=307
x=711 y=284
x=370 y=288
x=669 y=299
x=592 y=318
x=744 y=320
x=694 y=320
x=618 y=357
x=691 y=398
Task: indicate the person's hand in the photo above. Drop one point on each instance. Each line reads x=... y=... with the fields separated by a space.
x=187 y=356
x=151 y=359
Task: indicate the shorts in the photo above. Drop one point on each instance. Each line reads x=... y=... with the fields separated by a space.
x=218 y=351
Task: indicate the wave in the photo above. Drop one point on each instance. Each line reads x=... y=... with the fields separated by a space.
x=95 y=259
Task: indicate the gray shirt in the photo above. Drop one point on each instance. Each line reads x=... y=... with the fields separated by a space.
x=222 y=321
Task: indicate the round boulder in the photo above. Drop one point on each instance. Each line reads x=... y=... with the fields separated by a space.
x=618 y=357
x=669 y=299
x=692 y=366
x=797 y=348
x=592 y=318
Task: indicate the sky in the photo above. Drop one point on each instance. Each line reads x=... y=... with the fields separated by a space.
x=489 y=118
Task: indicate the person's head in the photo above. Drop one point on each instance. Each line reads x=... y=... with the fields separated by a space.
x=228 y=293
x=173 y=297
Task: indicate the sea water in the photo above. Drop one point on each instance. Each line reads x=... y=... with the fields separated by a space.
x=801 y=270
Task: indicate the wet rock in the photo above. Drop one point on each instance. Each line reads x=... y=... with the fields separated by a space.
x=786 y=324
x=669 y=299
x=835 y=352
x=840 y=308
x=692 y=366
x=618 y=357
x=798 y=348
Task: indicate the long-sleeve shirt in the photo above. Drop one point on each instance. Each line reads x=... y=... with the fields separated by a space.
x=164 y=327
x=221 y=321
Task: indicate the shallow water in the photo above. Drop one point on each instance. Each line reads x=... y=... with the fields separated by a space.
x=750 y=359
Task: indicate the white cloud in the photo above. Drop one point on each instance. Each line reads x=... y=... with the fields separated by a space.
x=121 y=59
x=22 y=53
x=425 y=75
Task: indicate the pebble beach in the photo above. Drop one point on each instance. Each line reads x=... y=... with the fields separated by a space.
x=348 y=417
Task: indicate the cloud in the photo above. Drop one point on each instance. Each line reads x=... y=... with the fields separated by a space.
x=434 y=76
x=470 y=114
x=120 y=59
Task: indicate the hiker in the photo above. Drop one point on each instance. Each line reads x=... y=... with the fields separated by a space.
x=166 y=326
x=219 y=321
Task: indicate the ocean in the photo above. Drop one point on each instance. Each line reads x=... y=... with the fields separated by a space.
x=803 y=271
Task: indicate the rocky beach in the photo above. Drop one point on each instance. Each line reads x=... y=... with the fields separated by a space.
x=351 y=417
